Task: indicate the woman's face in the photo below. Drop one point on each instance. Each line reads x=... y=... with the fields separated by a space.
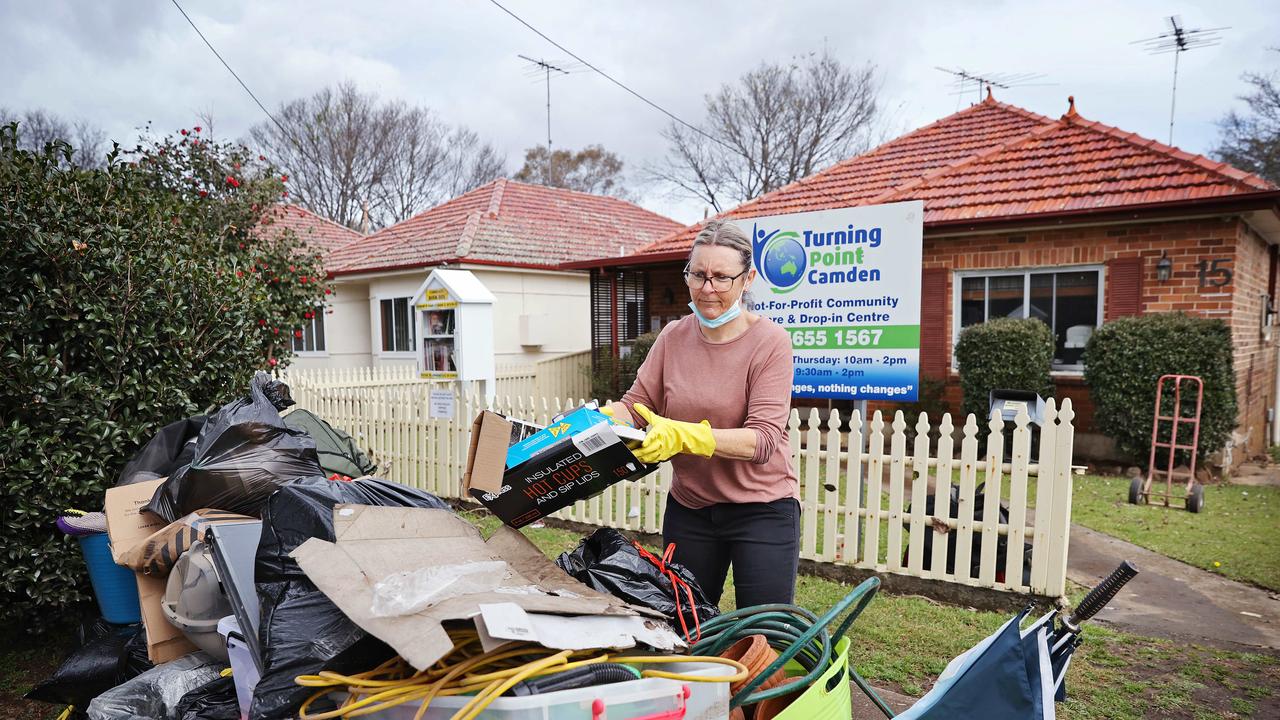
x=717 y=261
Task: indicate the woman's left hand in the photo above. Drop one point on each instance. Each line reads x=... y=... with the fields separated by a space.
x=666 y=438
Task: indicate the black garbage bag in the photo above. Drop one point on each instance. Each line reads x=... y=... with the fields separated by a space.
x=106 y=656
x=243 y=453
x=975 y=552
x=300 y=631
x=215 y=700
x=170 y=449
x=155 y=694
x=337 y=450
x=607 y=561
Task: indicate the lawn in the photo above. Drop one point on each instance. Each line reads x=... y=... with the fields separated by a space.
x=1237 y=533
x=904 y=642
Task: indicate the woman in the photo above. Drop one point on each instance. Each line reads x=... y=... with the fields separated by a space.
x=715 y=392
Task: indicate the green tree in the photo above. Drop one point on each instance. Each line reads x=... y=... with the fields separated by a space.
x=591 y=170
x=130 y=296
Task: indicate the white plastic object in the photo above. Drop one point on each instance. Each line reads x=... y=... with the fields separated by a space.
x=243 y=670
x=631 y=699
x=405 y=593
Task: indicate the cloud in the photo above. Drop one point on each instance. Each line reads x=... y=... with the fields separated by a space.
x=122 y=64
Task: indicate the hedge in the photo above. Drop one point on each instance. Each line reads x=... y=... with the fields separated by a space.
x=1126 y=357
x=128 y=300
x=1004 y=353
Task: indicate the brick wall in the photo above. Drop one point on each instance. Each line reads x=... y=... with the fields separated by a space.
x=1187 y=244
x=1255 y=356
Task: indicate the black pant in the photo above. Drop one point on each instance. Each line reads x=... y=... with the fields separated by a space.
x=761 y=540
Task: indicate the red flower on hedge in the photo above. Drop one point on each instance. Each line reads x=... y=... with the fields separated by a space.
x=284 y=178
x=275 y=331
x=262 y=157
x=297 y=333
x=327 y=291
x=197 y=128
x=272 y=361
x=261 y=321
x=184 y=132
x=204 y=193
x=239 y=273
x=232 y=181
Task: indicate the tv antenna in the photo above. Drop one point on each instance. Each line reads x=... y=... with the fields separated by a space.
x=1002 y=80
x=1177 y=41
x=544 y=68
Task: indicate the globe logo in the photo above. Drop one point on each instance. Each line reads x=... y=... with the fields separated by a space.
x=783 y=262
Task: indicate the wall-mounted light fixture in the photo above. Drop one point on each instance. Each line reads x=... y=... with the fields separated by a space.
x=1164 y=267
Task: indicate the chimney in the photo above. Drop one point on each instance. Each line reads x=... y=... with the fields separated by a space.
x=364 y=217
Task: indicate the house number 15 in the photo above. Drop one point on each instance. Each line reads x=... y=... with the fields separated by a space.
x=1213 y=274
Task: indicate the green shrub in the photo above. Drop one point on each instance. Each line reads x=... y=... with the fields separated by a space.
x=603 y=384
x=128 y=299
x=1003 y=354
x=1125 y=358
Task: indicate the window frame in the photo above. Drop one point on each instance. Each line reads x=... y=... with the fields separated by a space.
x=958 y=277
x=411 y=353
x=320 y=311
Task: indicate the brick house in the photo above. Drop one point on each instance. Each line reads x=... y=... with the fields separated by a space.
x=1068 y=220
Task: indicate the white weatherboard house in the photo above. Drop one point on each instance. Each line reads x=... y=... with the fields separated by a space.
x=513 y=237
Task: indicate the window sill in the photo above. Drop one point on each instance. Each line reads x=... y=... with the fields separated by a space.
x=398 y=354
x=311 y=354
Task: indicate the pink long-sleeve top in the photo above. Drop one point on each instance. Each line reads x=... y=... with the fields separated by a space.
x=742 y=383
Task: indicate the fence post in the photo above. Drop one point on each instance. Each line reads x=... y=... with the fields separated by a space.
x=991 y=500
x=849 y=542
x=1044 y=499
x=1020 y=455
x=964 y=515
x=875 y=485
x=919 y=497
x=1060 y=530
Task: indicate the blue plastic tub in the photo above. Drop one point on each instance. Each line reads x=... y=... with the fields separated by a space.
x=114 y=585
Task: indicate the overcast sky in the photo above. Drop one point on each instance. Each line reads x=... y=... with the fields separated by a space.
x=122 y=63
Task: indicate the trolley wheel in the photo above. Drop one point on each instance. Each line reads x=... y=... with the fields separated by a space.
x=1195 y=498
x=1135 y=491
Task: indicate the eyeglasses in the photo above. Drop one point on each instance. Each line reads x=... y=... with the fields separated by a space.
x=719 y=283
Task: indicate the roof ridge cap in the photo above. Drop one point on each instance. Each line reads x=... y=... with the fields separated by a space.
x=468 y=236
x=495 y=198
x=941 y=170
x=1244 y=179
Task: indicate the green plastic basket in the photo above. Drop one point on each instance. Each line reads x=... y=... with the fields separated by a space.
x=828 y=697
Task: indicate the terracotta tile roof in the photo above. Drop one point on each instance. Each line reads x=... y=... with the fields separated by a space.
x=318 y=232
x=994 y=160
x=508 y=223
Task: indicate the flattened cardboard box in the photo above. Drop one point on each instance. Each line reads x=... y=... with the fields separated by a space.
x=575 y=468
x=373 y=543
x=128 y=526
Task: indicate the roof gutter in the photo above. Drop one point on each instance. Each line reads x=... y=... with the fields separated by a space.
x=447 y=261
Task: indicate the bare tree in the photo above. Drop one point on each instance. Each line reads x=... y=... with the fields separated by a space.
x=1252 y=142
x=775 y=125
x=38 y=127
x=591 y=170
x=345 y=149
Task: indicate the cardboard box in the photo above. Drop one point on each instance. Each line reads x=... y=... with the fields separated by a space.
x=574 y=467
x=129 y=526
x=374 y=544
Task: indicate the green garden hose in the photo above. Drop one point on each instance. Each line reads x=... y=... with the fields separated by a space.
x=796 y=634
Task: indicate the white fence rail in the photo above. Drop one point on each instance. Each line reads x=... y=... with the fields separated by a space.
x=862 y=504
x=563 y=376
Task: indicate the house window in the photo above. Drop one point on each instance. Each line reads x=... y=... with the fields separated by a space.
x=312 y=339
x=1068 y=300
x=397 y=325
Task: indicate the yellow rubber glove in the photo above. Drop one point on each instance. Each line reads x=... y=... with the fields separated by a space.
x=665 y=438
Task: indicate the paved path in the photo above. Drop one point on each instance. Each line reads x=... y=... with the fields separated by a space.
x=1171 y=599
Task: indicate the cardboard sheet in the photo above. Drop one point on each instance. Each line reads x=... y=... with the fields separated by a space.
x=129 y=526
x=373 y=543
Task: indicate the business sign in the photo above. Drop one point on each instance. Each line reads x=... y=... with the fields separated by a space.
x=846 y=286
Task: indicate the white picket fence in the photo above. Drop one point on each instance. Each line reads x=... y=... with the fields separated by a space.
x=861 y=505
x=563 y=376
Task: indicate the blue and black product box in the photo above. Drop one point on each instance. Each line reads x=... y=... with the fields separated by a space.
x=585 y=455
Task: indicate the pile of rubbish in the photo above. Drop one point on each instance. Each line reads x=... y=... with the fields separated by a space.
x=242 y=572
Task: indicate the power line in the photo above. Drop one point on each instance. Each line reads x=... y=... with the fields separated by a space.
x=647 y=101
x=233 y=72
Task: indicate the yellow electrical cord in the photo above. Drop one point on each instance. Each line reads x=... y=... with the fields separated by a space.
x=395 y=682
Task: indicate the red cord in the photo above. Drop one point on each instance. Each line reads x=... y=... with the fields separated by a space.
x=676 y=584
